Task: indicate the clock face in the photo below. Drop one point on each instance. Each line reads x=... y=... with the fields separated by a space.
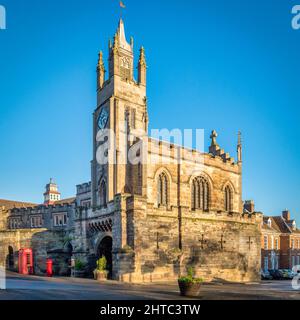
x=103 y=119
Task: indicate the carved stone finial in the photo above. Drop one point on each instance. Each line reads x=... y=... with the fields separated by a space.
x=100 y=61
x=214 y=148
x=213 y=137
x=100 y=71
x=142 y=59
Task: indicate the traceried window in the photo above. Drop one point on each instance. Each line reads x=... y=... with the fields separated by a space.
x=133 y=119
x=103 y=194
x=127 y=120
x=228 y=199
x=125 y=68
x=200 y=194
x=162 y=190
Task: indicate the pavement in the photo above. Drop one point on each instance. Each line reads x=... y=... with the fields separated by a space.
x=42 y=288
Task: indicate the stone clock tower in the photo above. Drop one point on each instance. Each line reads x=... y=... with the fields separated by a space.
x=121 y=107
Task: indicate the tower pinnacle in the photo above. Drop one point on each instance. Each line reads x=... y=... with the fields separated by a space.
x=239 y=147
x=142 y=68
x=100 y=71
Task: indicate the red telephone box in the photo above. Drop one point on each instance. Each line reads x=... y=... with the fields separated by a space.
x=49 y=267
x=25 y=261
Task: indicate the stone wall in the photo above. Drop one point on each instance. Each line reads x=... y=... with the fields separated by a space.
x=161 y=245
x=44 y=243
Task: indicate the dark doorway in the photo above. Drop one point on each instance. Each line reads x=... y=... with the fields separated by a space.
x=68 y=259
x=11 y=260
x=105 y=249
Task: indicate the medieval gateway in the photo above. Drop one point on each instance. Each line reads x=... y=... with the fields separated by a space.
x=150 y=219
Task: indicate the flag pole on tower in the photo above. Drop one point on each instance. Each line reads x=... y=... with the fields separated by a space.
x=122 y=6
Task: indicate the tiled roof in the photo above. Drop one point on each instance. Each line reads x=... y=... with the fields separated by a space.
x=280 y=224
x=65 y=201
x=9 y=204
x=274 y=226
x=284 y=228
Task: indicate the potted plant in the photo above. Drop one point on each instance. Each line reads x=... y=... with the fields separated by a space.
x=100 y=273
x=189 y=285
x=79 y=269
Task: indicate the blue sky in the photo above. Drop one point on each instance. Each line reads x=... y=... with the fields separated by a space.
x=227 y=65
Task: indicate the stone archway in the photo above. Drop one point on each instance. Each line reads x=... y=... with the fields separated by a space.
x=105 y=249
x=68 y=259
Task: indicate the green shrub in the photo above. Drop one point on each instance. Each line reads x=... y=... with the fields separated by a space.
x=101 y=264
x=79 y=265
x=190 y=277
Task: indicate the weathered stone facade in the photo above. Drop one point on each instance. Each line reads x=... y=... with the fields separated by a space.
x=151 y=219
x=47 y=240
x=157 y=236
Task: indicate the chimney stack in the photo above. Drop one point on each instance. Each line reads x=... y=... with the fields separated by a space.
x=249 y=206
x=286 y=215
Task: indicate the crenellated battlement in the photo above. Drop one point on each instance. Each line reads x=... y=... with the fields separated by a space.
x=83 y=188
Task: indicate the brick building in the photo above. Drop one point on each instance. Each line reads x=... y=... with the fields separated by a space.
x=280 y=242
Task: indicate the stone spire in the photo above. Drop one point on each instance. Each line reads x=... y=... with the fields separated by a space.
x=100 y=71
x=122 y=37
x=239 y=148
x=121 y=55
x=142 y=68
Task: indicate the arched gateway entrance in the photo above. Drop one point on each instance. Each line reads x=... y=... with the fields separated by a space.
x=105 y=249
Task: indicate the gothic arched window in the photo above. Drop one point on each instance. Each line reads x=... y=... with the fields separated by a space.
x=103 y=194
x=162 y=190
x=200 y=194
x=228 y=199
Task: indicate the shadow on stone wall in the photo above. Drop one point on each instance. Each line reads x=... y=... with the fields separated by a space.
x=52 y=245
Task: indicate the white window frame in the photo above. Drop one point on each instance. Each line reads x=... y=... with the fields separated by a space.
x=15 y=223
x=36 y=221
x=272 y=243
x=276 y=244
x=269 y=223
x=60 y=220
